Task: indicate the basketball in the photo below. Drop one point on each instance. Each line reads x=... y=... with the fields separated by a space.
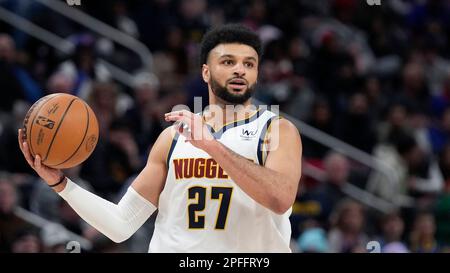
x=62 y=129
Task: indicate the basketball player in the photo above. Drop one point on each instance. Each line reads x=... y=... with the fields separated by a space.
x=222 y=181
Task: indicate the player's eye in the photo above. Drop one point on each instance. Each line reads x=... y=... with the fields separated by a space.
x=228 y=62
x=249 y=64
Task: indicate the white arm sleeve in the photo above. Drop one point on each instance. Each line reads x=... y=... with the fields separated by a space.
x=117 y=222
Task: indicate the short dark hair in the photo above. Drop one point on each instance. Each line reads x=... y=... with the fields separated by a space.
x=227 y=34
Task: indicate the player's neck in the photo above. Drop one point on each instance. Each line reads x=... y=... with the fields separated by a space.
x=221 y=113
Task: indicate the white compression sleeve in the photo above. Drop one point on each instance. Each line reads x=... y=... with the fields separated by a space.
x=117 y=222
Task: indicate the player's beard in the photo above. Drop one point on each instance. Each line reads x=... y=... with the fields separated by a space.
x=227 y=96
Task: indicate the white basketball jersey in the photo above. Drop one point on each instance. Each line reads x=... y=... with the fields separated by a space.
x=201 y=209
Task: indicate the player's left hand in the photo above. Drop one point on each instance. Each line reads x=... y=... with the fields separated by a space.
x=49 y=175
x=192 y=127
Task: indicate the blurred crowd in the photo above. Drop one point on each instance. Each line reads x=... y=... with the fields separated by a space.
x=375 y=77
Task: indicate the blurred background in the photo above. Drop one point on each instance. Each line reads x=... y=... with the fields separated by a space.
x=367 y=85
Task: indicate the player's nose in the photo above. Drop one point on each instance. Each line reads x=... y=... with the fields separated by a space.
x=239 y=69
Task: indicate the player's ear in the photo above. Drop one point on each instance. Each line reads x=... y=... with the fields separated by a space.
x=205 y=73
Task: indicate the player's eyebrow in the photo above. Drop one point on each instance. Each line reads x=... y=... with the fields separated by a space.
x=232 y=56
x=251 y=59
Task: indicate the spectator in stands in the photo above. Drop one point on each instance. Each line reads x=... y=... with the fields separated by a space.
x=440 y=133
x=414 y=90
x=60 y=83
x=158 y=14
x=320 y=118
x=192 y=19
x=16 y=81
x=300 y=95
x=436 y=67
x=424 y=178
x=104 y=101
x=396 y=121
x=419 y=124
x=392 y=228
x=397 y=152
x=429 y=18
x=313 y=240
x=337 y=173
x=376 y=98
x=307 y=212
x=123 y=21
x=9 y=156
x=335 y=65
x=441 y=100
x=10 y=223
x=417 y=175
x=317 y=203
x=83 y=67
x=115 y=159
x=26 y=240
x=144 y=117
x=347 y=233
x=177 y=50
x=329 y=193
x=423 y=234
x=356 y=126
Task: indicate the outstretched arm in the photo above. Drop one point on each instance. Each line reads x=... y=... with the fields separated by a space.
x=116 y=221
x=273 y=185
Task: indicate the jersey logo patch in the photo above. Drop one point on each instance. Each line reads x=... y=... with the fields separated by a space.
x=248 y=134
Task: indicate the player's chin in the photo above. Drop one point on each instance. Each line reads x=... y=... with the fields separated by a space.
x=236 y=89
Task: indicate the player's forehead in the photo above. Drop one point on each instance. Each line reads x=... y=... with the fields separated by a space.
x=235 y=50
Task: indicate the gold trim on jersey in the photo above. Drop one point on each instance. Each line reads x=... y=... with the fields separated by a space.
x=266 y=141
x=231 y=122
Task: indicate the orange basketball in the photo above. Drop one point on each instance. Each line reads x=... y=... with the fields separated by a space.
x=62 y=129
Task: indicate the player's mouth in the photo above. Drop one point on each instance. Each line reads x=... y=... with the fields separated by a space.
x=237 y=85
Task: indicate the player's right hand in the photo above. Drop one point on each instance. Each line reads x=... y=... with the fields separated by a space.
x=49 y=175
x=192 y=127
